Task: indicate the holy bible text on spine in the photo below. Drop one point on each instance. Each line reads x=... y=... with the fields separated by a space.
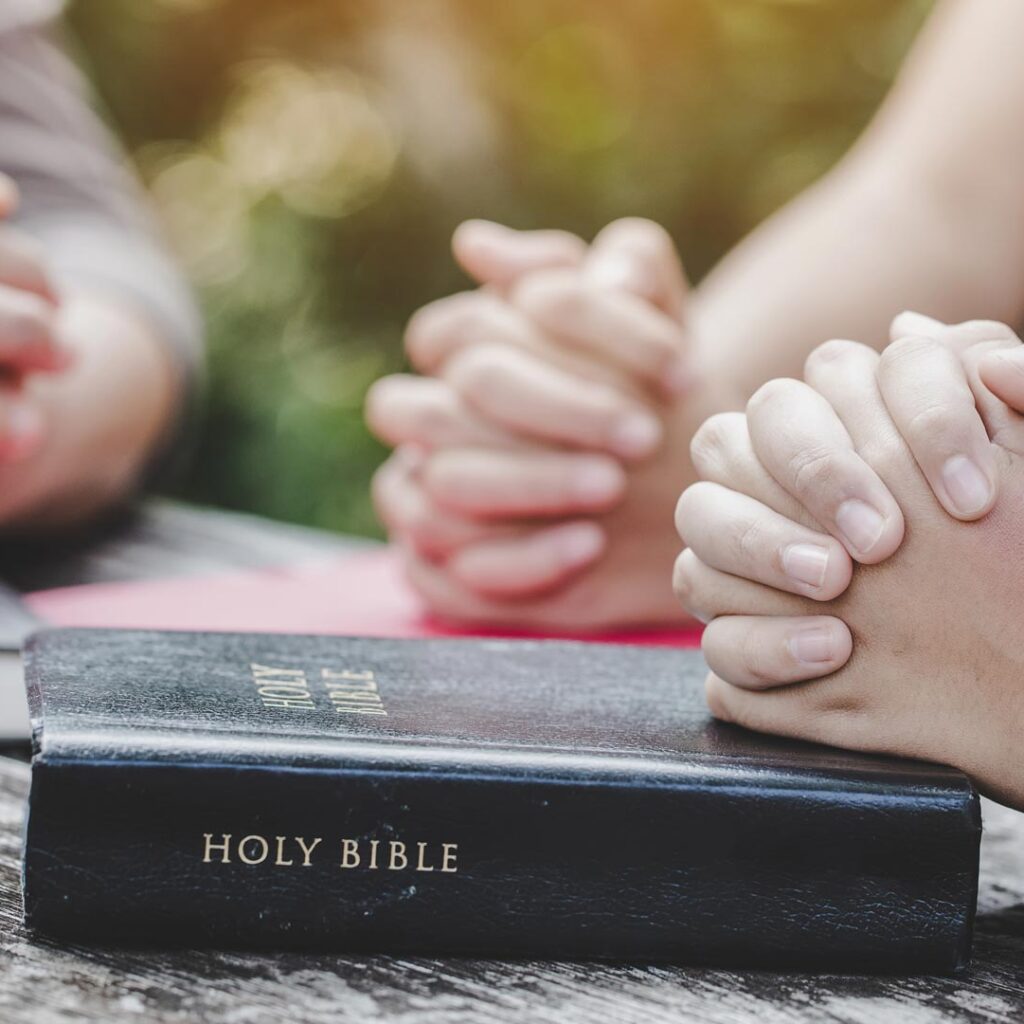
x=484 y=797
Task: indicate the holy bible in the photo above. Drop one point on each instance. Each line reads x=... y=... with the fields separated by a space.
x=484 y=797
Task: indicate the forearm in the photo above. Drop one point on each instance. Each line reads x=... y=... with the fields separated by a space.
x=104 y=416
x=924 y=214
x=842 y=261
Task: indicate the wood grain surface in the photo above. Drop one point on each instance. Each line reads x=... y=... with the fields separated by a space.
x=44 y=982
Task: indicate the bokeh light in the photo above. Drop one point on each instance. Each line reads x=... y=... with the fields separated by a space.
x=311 y=159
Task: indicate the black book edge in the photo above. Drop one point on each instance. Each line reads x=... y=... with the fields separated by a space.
x=964 y=798
x=206 y=745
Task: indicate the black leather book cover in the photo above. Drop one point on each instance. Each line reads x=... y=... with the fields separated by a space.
x=486 y=797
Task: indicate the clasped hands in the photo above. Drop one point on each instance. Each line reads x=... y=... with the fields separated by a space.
x=854 y=541
x=539 y=458
x=910 y=463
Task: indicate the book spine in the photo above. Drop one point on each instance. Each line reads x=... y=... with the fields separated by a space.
x=424 y=862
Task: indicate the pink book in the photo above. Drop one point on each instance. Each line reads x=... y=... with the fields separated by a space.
x=357 y=594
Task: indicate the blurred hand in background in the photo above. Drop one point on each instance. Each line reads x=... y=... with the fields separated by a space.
x=98 y=336
x=552 y=432
x=28 y=332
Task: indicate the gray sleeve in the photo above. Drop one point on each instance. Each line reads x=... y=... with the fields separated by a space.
x=77 y=197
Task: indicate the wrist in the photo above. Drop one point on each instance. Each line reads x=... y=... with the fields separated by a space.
x=718 y=380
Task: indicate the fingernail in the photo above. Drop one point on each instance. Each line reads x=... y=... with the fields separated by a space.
x=637 y=433
x=968 y=488
x=860 y=524
x=578 y=544
x=813 y=645
x=806 y=563
x=596 y=482
x=678 y=377
x=23 y=430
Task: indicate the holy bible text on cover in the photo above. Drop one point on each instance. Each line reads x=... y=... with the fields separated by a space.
x=494 y=798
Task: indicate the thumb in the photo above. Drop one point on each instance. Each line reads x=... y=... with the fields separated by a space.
x=993 y=360
x=8 y=196
x=493 y=254
x=996 y=373
x=1002 y=372
x=639 y=256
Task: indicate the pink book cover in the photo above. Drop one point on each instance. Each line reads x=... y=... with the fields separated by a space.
x=363 y=594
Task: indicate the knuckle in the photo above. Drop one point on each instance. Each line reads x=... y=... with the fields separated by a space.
x=756 y=661
x=643 y=232
x=769 y=394
x=443 y=480
x=682 y=578
x=909 y=349
x=748 y=542
x=812 y=471
x=377 y=405
x=554 y=296
x=637 y=224
x=384 y=493
x=889 y=457
x=421 y=333
x=832 y=351
x=431 y=419
x=690 y=583
x=690 y=508
x=480 y=371
x=571 y=247
x=713 y=439
x=987 y=330
x=422 y=527
x=440 y=324
x=452 y=483
x=930 y=421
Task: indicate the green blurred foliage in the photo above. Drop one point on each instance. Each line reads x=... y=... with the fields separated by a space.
x=311 y=160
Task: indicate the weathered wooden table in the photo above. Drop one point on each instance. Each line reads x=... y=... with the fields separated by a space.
x=43 y=981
